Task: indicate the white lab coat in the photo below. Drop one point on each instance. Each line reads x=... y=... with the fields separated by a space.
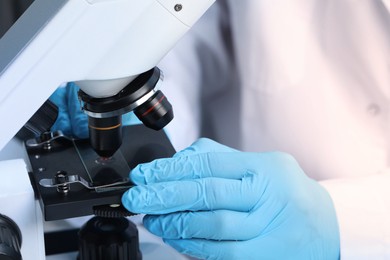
x=308 y=77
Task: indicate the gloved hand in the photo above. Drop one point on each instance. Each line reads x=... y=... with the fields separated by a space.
x=71 y=120
x=212 y=202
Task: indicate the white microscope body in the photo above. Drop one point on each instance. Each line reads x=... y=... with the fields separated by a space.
x=100 y=44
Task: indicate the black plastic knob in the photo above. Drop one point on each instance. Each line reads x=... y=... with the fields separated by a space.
x=10 y=239
x=40 y=122
x=109 y=238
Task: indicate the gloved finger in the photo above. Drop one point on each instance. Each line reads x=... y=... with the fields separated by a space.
x=195 y=195
x=216 y=225
x=60 y=100
x=204 y=145
x=78 y=119
x=223 y=165
x=221 y=224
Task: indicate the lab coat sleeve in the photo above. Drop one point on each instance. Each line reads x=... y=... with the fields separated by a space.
x=198 y=60
x=363 y=212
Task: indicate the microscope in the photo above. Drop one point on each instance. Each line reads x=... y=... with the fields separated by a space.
x=110 y=49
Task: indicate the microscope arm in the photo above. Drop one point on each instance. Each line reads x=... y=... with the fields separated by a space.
x=101 y=44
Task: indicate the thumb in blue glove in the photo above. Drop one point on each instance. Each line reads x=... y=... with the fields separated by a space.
x=212 y=202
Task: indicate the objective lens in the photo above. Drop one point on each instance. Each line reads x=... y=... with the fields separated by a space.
x=156 y=112
x=105 y=113
x=105 y=135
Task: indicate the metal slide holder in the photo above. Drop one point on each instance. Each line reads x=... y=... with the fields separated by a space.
x=71 y=180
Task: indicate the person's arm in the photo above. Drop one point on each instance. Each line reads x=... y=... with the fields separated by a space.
x=363 y=210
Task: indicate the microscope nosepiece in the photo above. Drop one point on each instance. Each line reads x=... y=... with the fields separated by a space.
x=140 y=96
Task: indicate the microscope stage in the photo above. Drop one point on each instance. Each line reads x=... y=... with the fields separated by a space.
x=77 y=158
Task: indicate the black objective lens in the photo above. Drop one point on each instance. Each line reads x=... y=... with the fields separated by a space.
x=10 y=239
x=105 y=135
x=156 y=112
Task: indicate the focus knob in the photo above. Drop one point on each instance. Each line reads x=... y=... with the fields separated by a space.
x=10 y=239
x=109 y=238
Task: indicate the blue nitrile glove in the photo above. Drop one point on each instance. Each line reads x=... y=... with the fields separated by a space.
x=213 y=202
x=71 y=120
